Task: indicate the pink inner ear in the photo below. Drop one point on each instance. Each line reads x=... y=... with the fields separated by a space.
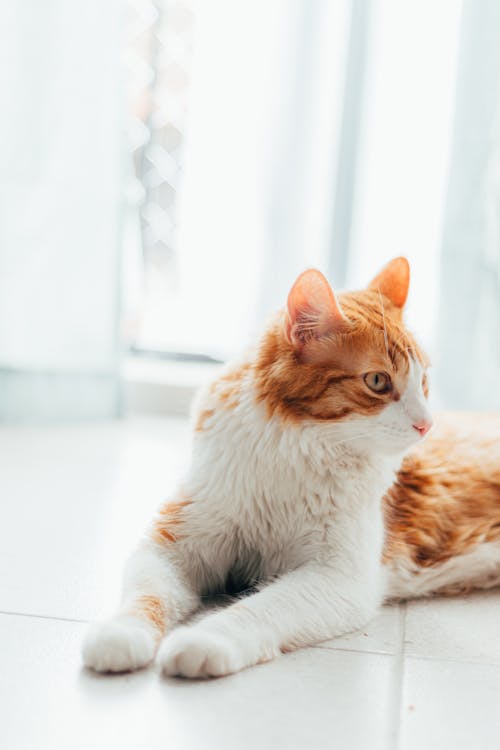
x=313 y=310
x=393 y=281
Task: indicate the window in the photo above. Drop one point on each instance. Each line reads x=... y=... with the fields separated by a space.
x=246 y=161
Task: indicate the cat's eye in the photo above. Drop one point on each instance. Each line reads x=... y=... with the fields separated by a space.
x=425 y=385
x=379 y=382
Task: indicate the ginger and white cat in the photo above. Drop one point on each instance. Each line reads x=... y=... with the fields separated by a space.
x=298 y=490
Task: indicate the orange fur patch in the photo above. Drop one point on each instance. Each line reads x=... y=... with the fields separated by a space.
x=227 y=388
x=327 y=383
x=150 y=608
x=224 y=393
x=202 y=418
x=167 y=524
x=447 y=496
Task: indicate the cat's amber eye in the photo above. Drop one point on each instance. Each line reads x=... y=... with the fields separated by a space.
x=379 y=382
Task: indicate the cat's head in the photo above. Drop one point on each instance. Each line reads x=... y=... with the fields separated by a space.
x=348 y=361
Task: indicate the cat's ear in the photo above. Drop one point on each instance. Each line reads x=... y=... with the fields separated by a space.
x=393 y=281
x=312 y=310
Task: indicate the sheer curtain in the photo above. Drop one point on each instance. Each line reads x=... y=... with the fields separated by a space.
x=319 y=135
x=404 y=147
x=261 y=158
x=428 y=183
x=60 y=170
x=469 y=313
x=357 y=131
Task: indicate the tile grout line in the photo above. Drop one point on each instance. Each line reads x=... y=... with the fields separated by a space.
x=452 y=660
x=344 y=650
x=395 y=654
x=397 y=690
x=43 y=617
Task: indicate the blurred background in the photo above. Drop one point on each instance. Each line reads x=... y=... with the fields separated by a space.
x=168 y=167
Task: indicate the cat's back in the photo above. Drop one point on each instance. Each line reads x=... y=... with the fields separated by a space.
x=445 y=506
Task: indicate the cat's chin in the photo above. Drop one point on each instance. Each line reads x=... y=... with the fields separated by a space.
x=402 y=447
x=390 y=447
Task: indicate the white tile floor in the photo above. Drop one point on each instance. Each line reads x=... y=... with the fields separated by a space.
x=73 y=500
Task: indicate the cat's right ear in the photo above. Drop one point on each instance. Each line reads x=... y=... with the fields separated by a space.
x=312 y=310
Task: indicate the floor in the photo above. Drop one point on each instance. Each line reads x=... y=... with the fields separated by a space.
x=73 y=500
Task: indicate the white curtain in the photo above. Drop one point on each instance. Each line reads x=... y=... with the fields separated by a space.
x=406 y=124
x=60 y=172
x=262 y=146
x=319 y=135
x=468 y=361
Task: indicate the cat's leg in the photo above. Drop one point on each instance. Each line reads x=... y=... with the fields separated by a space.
x=155 y=596
x=305 y=606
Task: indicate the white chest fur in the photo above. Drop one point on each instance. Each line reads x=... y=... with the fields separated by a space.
x=285 y=494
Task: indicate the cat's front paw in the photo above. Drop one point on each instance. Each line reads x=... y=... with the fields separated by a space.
x=193 y=652
x=119 y=645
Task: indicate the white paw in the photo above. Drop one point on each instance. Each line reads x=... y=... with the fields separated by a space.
x=193 y=652
x=118 y=646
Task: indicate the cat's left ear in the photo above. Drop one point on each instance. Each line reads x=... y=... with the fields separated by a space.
x=393 y=281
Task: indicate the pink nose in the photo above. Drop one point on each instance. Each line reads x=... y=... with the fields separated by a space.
x=423 y=427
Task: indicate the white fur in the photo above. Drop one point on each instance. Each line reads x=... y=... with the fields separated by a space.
x=119 y=645
x=296 y=508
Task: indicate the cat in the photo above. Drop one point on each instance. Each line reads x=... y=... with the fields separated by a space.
x=299 y=491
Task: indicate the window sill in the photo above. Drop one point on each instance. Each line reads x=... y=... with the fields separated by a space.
x=163 y=387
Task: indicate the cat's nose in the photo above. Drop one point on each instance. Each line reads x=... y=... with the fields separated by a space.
x=423 y=426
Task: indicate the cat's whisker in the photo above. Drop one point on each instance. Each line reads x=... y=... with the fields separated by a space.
x=386 y=341
x=350 y=439
x=404 y=349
